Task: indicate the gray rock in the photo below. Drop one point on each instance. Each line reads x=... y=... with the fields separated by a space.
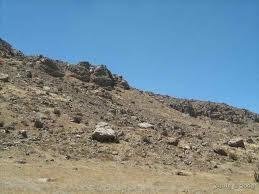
x=125 y=84
x=121 y=82
x=77 y=119
x=38 y=123
x=4 y=77
x=28 y=74
x=250 y=140
x=57 y=112
x=181 y=173
x=173 y=141
x=104 y=133
x=237 y=142
x=51 y=67
x=145 y=125
x=21 y=161
x=221 y=151
x=23 y=133
x=102 y=76
x=81 y=71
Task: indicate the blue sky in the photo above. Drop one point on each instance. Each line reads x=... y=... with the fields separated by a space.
x=203 y=49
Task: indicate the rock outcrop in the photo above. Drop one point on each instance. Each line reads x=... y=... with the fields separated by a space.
x=104 y=133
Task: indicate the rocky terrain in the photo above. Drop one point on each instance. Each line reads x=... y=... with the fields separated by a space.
x=53 y=112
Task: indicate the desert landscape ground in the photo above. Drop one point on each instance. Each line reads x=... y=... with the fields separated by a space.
x=78 y=128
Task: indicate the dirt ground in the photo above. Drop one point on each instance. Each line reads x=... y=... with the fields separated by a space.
x=97 y=176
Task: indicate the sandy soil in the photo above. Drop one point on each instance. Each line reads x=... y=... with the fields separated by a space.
x=95 y=176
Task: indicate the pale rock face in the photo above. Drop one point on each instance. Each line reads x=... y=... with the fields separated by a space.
x=104 y=133
x=146 y=125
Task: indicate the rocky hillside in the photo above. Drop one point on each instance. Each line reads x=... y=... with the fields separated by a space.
x=82 y=111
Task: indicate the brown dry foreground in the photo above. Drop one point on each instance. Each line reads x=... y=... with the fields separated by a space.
x=96 y=176
x=40 y=173
x=78 y=128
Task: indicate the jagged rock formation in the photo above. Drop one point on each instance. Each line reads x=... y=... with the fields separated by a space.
x=218 y=111
x=6 y=50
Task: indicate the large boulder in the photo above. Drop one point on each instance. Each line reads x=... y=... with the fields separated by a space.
x=104 y=133
x=51 y=67
x=102 y=76
x=81 y=71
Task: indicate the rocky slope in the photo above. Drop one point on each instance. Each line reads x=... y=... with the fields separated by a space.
x=82 y=111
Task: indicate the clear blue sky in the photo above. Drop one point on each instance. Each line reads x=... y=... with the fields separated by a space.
x=207 y=50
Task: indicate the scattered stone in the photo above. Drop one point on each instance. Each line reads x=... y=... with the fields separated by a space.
x=164 y=133
x=221 y=151
x=38 y=123
x=28 y=74
x=237 y=142
x=4 y=77
x=250 y=140
x=115 y=153
x=184 y=146
x=173 y=141
x=181 y=173
x=45 y=180
x=57 y=112
x=46 y=88
x=25 y=123
x=23 y=133
x=232 y=156
x=146 y=139
x=145 y=125
x=104 y=133
x=21 y=161
x=77 y=119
